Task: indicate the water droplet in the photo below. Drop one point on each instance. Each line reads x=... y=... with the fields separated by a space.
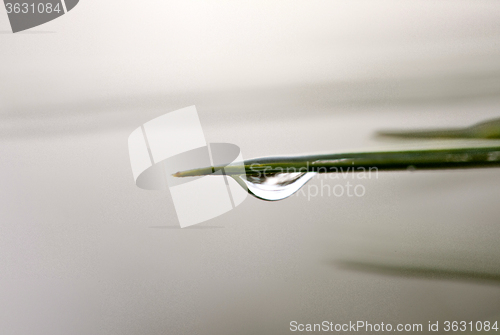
x=332 y=161
x=411 y=168
x=276 y=186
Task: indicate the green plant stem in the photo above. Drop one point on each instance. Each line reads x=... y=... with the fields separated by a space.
x=435 y=159
x=489 y=129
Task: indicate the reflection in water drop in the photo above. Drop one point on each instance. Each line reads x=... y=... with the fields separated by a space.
x=276 y=186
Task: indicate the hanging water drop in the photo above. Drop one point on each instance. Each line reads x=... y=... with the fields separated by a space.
x=276 y=186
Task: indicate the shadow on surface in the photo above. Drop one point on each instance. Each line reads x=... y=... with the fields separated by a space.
x=26 y=119
x=192 y=227
x=27 y=32
x=419 y=272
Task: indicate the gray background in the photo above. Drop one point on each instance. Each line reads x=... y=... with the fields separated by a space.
x=84 y=251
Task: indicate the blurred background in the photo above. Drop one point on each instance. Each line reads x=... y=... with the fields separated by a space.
x=84 y=251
